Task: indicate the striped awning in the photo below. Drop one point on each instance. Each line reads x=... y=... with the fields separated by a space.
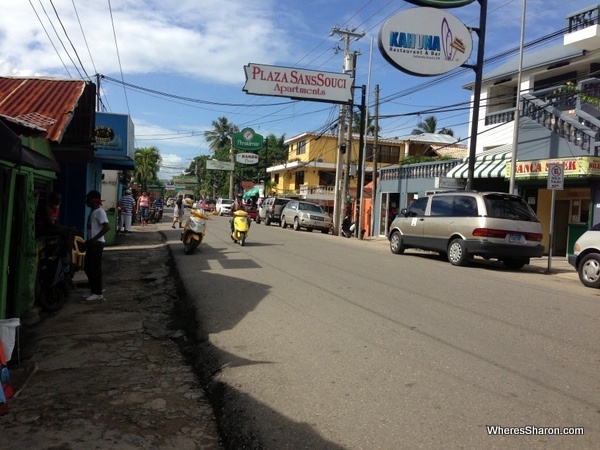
x=487 y=165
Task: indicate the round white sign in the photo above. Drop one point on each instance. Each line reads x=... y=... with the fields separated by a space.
x=425 y=42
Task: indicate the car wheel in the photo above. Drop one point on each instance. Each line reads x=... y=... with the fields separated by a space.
x=514 y=264
x=457 y=253
x=257 y=220
x=396 y=243
x=283 y=224
x=267 y=221
x=325 y=231
x=589 y=270
x=296 y=224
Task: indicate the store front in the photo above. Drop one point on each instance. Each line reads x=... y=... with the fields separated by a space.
x=577 y=205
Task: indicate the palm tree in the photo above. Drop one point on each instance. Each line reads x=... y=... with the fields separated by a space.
x=147 y=164
x=429 y=125
x=221 y=134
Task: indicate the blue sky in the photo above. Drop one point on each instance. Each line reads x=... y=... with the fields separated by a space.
x=194 y=51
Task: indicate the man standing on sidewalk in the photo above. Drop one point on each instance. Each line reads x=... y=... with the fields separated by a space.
x=127 y=209
x=97 y=227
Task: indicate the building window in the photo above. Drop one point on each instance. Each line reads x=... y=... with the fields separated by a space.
x=389 y=154
x=276 y=178
x=301 y=148
x=299 y=178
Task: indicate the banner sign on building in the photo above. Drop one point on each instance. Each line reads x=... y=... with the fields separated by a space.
x=573 y=167
x=298 y=83
x=425 y=42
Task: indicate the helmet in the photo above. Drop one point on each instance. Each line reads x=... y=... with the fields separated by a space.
x=189 y=202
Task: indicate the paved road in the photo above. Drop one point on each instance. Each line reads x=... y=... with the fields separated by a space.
x=325 y=342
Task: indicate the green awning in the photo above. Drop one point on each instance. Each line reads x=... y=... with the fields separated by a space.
x=253 y=191
x=487 y=165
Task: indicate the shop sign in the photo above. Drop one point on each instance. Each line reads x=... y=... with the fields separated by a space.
x=298 y=83
x=246 y=158
x=573 y=167
x=425 y=42
x=248 y=140
x=213 y=164
x=441 y=3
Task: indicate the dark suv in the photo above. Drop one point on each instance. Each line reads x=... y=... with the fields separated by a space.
x=270 y=210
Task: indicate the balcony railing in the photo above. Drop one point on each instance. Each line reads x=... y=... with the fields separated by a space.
x=583 y=19
x=421 y=170
x=317 y=192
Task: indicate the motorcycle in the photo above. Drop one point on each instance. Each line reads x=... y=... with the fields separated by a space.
x=54 y=278
x=155 y=215
x=348 y=227
x=241 y=226
x=193 y=231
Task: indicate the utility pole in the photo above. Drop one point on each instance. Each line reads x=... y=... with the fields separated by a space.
x=340 y=187
x=375 y=152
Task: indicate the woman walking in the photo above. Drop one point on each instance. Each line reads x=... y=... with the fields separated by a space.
x=178 y=211
x=143 y=205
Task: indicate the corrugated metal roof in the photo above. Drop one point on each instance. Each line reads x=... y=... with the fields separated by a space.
x=44 y=103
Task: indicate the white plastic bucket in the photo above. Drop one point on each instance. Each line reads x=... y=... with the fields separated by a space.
x=8 y=328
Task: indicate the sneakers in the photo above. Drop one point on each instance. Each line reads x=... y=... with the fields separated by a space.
x=95 y=297
x=86 y=296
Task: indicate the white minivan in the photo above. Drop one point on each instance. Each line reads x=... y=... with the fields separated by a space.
x=463 y=224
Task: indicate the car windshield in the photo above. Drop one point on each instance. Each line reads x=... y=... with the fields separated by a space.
x=310 y=207
x=227 y=202
x=508 y=207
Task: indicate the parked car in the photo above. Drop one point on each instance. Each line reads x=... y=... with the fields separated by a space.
x=270 y=210
x=462 y=224
x=586 y=257
x=300 y=214
x=223 y=206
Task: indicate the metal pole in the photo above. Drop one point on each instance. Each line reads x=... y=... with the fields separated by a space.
x=477 y=99
x=232 y=159
x=551 y=233
x=513 y=157
x=375 y=150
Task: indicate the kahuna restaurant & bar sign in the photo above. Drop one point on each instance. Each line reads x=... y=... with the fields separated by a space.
x=298 y=83
x=580 y=166
x=425 y=42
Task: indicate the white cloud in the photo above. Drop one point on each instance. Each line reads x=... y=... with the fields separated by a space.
x=208 y=40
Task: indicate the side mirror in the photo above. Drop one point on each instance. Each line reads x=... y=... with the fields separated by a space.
x=404 y=212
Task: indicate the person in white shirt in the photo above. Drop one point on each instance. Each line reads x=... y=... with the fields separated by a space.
x=97 y=227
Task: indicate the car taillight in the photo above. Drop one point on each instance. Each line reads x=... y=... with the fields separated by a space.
x=501 y=234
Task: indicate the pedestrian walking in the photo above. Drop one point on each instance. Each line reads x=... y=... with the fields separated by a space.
x=127 y=209
x=178 y=211
x=97 y=227
x=143 y=205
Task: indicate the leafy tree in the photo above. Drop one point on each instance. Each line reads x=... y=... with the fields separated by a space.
x=429 y=125
x=147 y=164
x=221 y=134
x=369 y=130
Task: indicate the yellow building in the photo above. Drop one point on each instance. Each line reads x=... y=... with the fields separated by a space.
x=310 y=169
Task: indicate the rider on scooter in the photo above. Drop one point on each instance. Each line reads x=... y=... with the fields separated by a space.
x=238 y=204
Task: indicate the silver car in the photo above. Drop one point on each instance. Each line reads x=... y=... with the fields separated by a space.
x=223 y=206
x=300 y=214
x=463 y=224
x=586 y=257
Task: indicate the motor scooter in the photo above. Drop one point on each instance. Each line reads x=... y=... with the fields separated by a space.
x=193 y=231
x=54 y=278
x=348 y=227
x=241 y=226
x=155 y=215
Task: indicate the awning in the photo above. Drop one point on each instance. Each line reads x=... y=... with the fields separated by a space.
x=489 y=164
x=251 y=193
x=13 y=151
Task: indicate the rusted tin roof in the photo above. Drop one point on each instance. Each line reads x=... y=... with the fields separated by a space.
x=49 y=105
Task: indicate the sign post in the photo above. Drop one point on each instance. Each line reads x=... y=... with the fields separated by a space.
x=556 y=181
